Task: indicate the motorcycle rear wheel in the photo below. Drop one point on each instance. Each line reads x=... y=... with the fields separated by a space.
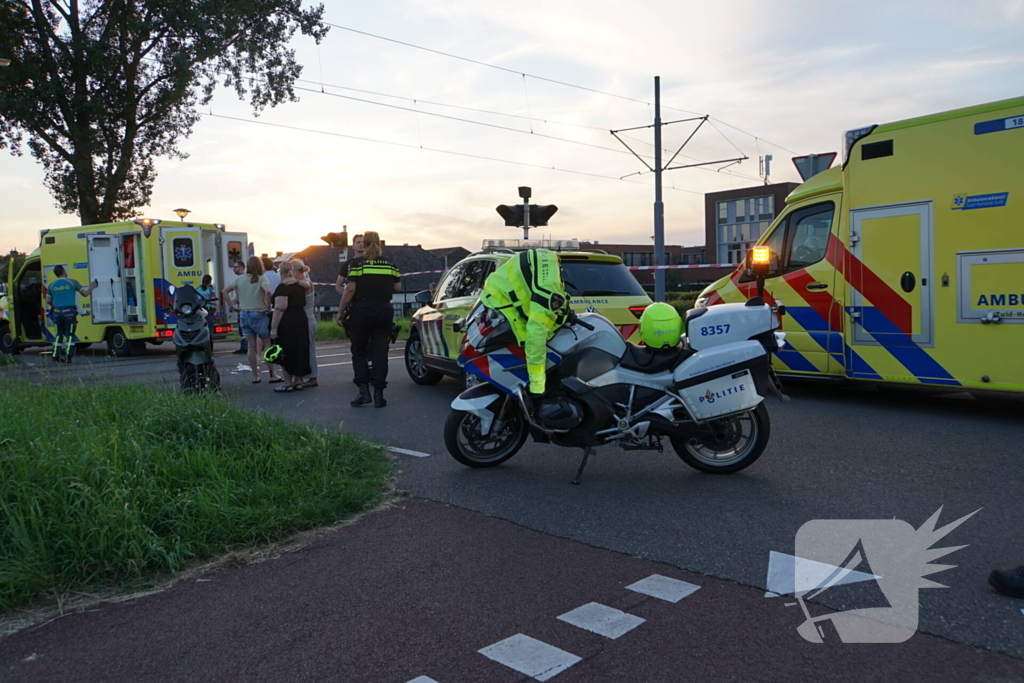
x=739 y=440
x=465 y=443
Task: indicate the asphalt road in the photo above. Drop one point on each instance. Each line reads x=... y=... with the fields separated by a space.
x=835 y=453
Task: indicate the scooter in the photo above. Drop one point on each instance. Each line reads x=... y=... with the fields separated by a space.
x=193 y=343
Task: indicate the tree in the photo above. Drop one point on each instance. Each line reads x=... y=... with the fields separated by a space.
x=98 y=89
x=11 y=263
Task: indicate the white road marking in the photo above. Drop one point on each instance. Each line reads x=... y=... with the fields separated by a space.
x=602 y=620
x=664 y=588
x=530 y=656
x=782 y=570
x=422 y=679
x=769 y=594
x=348 y=362
x=405 y=451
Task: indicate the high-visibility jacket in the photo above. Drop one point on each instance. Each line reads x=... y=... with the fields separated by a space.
x=529 y=292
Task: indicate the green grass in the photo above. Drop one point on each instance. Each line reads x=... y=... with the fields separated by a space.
x=104 y=487
x=328 y=330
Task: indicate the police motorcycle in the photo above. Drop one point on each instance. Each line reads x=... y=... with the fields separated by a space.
x=703 y=391
x=192 y=342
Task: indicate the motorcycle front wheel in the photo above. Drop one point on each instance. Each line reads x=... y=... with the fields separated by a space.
x=734 y=444
x=466 y=444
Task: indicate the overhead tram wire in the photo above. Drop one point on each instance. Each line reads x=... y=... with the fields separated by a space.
x=433 y=149
x=462 y=120
x=492 y=125
x=548 y=80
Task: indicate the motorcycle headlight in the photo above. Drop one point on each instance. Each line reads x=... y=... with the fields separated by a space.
x=186 y=309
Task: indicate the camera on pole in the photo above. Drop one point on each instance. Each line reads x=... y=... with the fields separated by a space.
x=526 y=215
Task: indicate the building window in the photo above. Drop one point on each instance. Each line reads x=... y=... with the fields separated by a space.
x=741 y=223
x=638 y=258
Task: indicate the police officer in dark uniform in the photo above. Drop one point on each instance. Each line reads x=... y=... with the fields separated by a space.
x=368 y=288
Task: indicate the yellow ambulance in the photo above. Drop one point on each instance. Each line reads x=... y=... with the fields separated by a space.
x=906 y=263
x=135 y=263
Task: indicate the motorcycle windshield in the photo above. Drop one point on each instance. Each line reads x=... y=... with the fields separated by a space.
x=187 y=295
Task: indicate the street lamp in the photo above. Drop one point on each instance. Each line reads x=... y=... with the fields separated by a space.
x=182 y=213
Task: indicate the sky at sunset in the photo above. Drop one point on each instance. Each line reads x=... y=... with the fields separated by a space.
x=784 y=78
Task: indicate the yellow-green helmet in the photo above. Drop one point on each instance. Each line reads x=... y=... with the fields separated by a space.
x=660 y=326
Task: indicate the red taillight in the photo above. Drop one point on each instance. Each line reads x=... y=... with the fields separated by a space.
x=637 y=310
x=164 y=334
x=222 y=329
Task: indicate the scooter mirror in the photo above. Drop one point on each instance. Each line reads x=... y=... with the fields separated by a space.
x=170 y=289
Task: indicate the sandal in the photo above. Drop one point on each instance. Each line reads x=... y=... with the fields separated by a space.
x=257 y=381
x=276 y=380
x=310 y=383
x=296 y=387
x=281 y=390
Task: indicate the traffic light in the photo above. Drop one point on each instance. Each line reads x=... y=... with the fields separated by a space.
x=539 y=214
x=338 y=240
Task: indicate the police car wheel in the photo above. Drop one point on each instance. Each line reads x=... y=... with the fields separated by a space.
x=466 y=444
x=734 y=444
x=416 y=364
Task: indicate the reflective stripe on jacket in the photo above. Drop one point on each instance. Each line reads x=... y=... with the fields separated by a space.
x=522 y=289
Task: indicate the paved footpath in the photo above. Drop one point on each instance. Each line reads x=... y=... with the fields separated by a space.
x=422 y=591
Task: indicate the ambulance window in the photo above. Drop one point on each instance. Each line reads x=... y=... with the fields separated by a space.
x=809 y=231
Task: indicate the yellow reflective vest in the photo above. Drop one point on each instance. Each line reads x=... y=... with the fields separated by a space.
x=529 y=292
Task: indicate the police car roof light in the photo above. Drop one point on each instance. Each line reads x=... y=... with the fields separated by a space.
x=554 y=245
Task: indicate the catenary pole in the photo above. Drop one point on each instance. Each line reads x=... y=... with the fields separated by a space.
x=659 y=206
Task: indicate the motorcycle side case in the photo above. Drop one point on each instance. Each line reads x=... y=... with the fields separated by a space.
x=727 y=323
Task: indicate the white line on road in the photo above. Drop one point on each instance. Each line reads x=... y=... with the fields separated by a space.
x=530 y=656
x=348 y=362
x=422 y=679
x=602 y=620
x=664 y=588
x=404 y=451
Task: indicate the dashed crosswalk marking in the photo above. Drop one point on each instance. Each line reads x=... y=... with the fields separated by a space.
x=664 y=588
x=530 y=656
x=602 y=620
x=782 y=574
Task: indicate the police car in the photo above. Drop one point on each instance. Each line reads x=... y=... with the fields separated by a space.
x=594 y=280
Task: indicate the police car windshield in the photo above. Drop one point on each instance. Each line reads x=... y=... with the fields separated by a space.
x=599 y=278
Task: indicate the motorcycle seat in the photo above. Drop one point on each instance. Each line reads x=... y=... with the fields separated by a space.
x=652 y=361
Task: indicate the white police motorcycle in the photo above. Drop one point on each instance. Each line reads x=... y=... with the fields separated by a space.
x=706 y=394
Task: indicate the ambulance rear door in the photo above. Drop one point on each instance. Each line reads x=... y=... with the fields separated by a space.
x=105 y=269
x=234 y=246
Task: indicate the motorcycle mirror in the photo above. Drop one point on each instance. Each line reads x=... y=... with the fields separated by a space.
x=170 y=289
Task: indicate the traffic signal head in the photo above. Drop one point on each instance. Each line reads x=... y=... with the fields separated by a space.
x=338 y=240
x=539 y=214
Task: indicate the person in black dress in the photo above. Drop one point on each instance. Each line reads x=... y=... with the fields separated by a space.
x=290 y=329
x=368 y=289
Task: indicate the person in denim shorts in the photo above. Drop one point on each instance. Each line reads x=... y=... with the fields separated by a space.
x=253 y=291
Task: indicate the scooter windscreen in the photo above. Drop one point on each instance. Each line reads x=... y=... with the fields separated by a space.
x=187 y=300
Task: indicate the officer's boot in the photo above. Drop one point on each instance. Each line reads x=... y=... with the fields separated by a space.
x=378 y=397
x=364 y=396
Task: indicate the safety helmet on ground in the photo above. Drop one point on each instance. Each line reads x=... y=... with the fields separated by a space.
x=661 y=327
x=273 y=354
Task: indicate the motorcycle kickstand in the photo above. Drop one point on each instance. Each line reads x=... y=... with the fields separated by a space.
x=579 y=475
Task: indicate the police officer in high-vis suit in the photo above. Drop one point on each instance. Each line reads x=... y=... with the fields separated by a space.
x=529 y=292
